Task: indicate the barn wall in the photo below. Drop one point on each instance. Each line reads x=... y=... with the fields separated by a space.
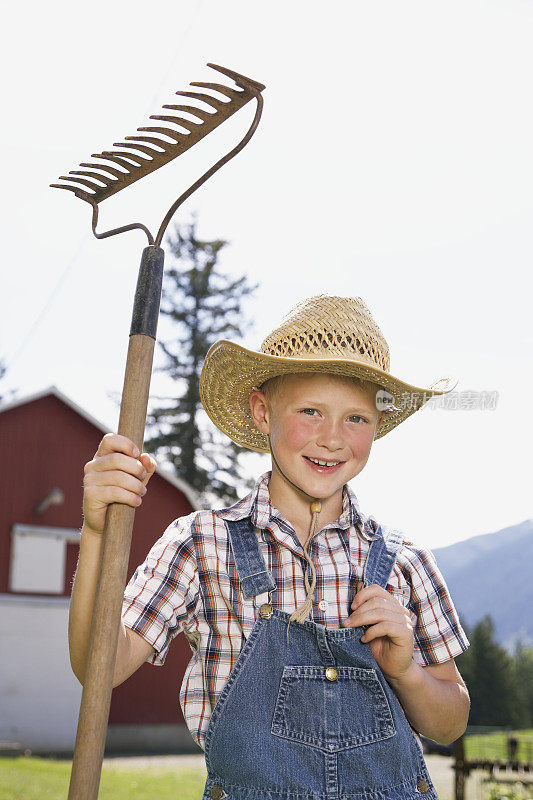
x=48 y=443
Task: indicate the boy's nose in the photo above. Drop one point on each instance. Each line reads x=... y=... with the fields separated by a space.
x=330 y=436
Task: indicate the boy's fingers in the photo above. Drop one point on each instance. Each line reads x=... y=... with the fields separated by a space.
x=368 y=592
x=116 y=461
x=149 y=465
x=377 y=608
x=370 y=616
x=112 y=494
x=118 y=478
x=386 y=628
x=148 y=462
x=113 y=442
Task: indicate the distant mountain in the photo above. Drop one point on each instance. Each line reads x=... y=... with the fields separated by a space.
x=493 y=574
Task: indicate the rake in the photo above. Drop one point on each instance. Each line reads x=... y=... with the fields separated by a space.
x=114 y=170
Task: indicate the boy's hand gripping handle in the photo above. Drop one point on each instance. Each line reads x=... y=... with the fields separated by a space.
x=99 y=669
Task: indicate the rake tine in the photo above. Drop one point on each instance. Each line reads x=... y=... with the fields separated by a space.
x=77 y=192
x=148 y=150
x=128 y=166
x=165 y=131
x=90 y=174
x=203 y=115
x=93 y=186
x=217 y=87
x=117 y=173
x=240 y=80
x=141 y=161
x=151 y=140
x=206 y=98
x=181 y=121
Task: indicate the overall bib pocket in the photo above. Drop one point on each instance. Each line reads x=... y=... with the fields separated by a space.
x=332 y=708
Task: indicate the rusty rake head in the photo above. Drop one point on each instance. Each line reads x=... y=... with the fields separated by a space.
x=145 y=153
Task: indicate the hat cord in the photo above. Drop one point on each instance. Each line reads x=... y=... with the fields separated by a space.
x=302 y=611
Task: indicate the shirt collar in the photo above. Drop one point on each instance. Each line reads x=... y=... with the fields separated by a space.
x=258 y=507
x=255 y=505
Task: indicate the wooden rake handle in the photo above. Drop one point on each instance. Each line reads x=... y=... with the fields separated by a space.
x=96 y=696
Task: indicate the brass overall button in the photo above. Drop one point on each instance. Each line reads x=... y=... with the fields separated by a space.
x=265 y=611
x=332 y=674
x=216 y=792
x=422 y=786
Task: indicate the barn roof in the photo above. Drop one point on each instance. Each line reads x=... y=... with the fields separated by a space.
x=179 y=483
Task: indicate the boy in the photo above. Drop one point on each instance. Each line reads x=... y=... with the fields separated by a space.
x=320 y=639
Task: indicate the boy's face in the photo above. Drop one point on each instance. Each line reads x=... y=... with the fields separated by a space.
x=317 y=418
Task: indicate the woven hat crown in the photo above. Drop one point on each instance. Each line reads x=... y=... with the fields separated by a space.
x=329 y=327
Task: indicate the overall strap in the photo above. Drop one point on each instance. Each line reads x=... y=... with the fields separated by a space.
x=382 y=555
x=251 y=567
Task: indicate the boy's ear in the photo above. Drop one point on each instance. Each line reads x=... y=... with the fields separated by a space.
x=260 y=411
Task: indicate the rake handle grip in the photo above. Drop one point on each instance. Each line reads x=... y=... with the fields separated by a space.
x=96 y=696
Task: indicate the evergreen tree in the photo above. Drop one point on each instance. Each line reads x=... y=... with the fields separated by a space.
x=524 y=673
x=201 y=305
x=491 y=677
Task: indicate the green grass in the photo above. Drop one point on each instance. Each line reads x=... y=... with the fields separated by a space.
x=29 y=778
x=511 y=792
x=493 y=746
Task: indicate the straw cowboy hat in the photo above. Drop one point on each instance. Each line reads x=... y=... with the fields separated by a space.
x=333 y=335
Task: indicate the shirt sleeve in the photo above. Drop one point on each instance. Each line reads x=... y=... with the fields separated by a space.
x=164 y=591
x=438 y=633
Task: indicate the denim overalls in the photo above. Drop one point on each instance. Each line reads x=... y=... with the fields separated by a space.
x=313 y=718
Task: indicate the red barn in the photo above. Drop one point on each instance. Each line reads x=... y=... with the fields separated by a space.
x=45 y=440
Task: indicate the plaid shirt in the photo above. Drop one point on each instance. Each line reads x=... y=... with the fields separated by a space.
x=189 y=583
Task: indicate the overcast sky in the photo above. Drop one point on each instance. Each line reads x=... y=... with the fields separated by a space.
x=393 y=162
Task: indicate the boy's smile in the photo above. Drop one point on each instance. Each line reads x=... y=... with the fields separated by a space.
x=321 y=429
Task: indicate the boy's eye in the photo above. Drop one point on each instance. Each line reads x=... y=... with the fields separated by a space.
x=310 y=411
x=356 y=418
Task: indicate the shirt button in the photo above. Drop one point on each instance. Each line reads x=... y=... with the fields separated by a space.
x=332 y=674
x=323 y=605
x=216 y=792
x=422 y=786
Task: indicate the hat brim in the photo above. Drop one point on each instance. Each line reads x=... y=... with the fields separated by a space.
x=231 y=372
